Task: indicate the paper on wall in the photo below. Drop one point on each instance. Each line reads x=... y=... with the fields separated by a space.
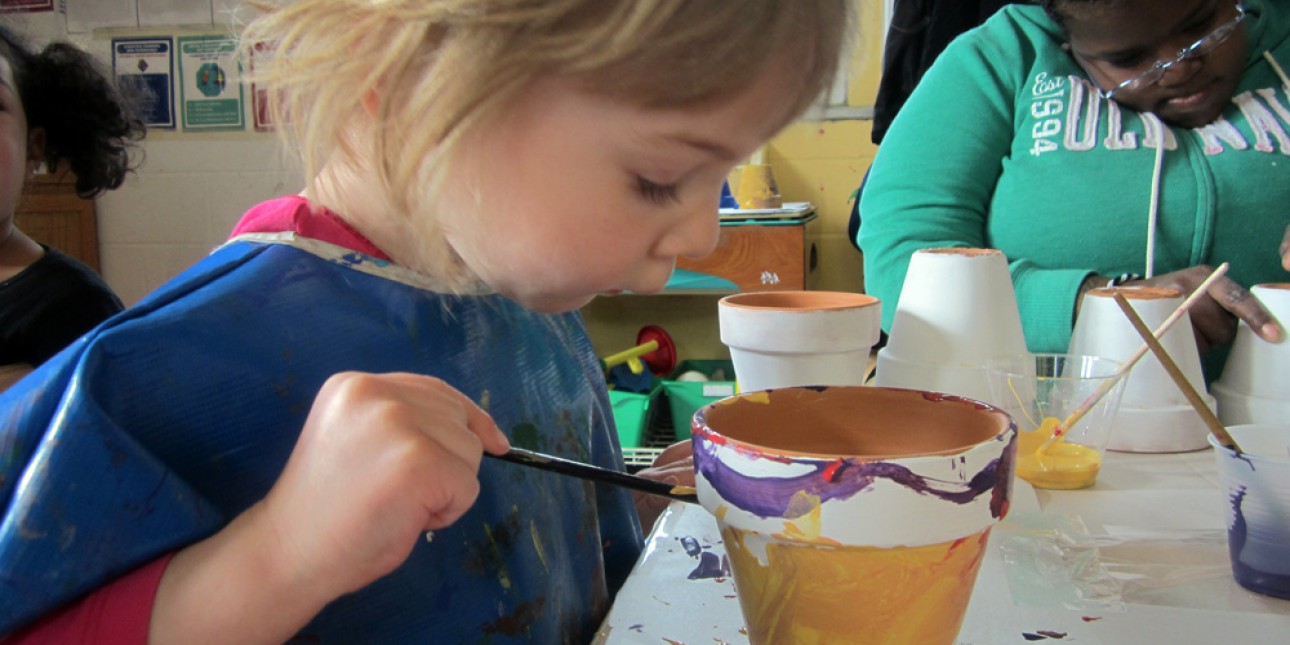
x=84 y=16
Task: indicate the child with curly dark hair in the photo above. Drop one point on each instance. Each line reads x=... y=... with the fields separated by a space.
x=57 y=109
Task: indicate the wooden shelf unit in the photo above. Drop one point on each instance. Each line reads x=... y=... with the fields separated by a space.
x=50 y=212
x=763 y=256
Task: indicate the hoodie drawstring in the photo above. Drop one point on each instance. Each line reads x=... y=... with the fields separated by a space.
x=1285 y=81
x=1153 y=210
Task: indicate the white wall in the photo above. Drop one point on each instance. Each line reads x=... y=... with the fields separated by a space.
x=187 y=194
x=183 y=202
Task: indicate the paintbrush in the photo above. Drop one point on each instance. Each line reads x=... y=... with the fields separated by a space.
x=596 y=474
x=1128 y=364
x=1193 y=397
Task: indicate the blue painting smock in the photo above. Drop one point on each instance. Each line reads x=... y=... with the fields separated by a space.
x=165 y=422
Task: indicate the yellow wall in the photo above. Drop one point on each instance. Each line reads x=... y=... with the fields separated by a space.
x=820 y=161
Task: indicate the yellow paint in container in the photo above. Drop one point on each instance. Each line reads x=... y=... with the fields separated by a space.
x=1060 y=465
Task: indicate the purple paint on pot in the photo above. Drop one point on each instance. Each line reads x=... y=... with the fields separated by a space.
x=767 y=497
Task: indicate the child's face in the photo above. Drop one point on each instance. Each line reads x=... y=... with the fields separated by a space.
x=13 y=142
x=579 y=195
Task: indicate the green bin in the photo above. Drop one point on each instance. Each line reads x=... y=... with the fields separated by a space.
x=631 y=416
x=685 y=397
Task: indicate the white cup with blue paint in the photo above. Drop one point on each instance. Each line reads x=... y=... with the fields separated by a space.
x=1256 y=500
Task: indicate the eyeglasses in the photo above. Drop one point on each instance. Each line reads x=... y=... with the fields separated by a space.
x=1205 y=45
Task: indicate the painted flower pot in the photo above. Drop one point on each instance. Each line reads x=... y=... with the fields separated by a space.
x=854 y=514
x=787 y=338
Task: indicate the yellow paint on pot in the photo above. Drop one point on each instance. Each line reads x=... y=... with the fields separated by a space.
x=813 y=593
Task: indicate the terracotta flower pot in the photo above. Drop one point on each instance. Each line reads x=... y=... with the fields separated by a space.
x=853 y=514
x=785 y=338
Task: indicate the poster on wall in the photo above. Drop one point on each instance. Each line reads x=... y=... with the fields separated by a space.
x=147 y=65
x=25 y=6
x=210 y=83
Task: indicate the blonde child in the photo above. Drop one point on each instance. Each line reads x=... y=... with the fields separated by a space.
x=256 y=452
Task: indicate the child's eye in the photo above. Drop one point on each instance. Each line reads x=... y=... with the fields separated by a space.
x=656 y=193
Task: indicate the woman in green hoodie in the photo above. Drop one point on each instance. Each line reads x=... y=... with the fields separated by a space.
x=1138 y=141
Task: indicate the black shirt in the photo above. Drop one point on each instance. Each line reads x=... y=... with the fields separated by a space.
x=48 y=305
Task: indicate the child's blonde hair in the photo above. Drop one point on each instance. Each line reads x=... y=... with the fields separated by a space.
x=441 y=69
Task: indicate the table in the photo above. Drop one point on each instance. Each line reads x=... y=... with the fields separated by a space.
x=1140 y=557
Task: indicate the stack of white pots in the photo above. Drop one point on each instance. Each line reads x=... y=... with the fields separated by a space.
x=1154 y=414
x=1255 y=385
x=957 y=310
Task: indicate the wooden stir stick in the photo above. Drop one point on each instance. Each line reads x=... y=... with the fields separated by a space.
x=1193 y=397
x=1129 y=362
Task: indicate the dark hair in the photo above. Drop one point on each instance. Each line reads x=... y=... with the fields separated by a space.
x=90 y=124
x=1058 y=10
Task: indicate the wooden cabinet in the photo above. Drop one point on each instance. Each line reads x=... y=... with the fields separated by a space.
x=772 y=256
x=51 y=213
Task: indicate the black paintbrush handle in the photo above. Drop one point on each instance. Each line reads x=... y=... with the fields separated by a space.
x=597 y=474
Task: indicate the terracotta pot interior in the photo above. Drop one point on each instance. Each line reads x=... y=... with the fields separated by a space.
x=790 y=300
x=854 y=421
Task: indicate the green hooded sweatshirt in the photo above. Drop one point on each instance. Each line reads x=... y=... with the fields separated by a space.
x=1006 y=144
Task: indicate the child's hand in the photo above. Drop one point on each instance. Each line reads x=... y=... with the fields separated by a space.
x=381 y=460
x=675 y=465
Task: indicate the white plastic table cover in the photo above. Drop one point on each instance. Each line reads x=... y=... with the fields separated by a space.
x=1140 y=557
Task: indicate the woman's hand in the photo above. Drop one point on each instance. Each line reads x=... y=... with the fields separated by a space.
x=381 y=460
x=1214 y=319
x=1284 y=249
x=675 y=465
